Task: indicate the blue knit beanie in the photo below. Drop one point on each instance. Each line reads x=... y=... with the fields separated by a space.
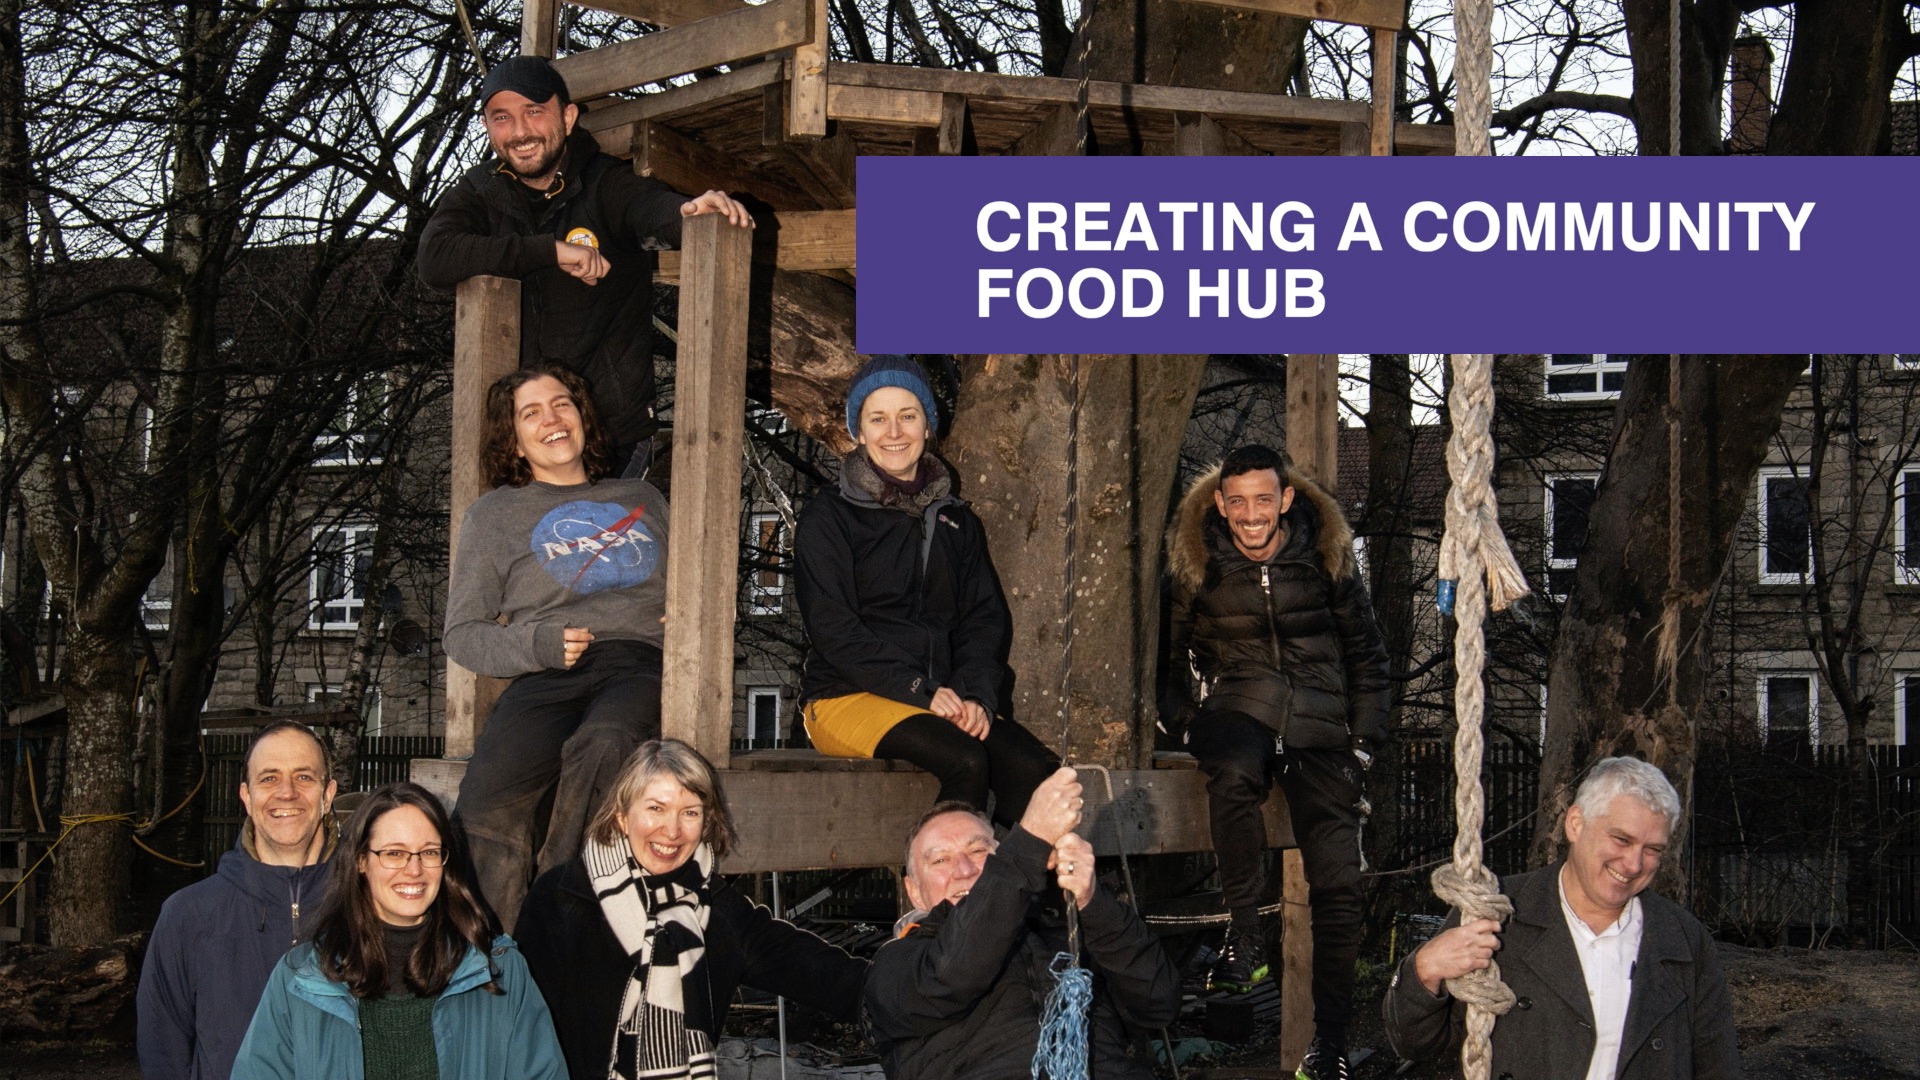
x=890 y=369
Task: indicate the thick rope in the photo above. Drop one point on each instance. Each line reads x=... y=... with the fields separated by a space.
x=1474 y=556
x=1061 y=1053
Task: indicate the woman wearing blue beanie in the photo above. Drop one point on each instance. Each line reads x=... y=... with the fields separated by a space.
x=909 y=629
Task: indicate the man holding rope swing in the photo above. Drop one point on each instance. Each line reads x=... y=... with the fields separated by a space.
x=1268 y=602
x=1610 y=981
x=958 y=993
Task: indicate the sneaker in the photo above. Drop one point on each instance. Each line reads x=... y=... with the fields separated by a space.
x=1325 y=1060
x=1242 y=964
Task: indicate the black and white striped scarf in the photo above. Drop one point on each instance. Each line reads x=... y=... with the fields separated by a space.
x=661 y=922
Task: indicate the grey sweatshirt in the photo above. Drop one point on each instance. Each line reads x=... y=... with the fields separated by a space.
x=547 y=557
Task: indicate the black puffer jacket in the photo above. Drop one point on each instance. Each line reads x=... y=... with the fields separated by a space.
x=959 y=995
x=582 y=969
x=898 y=600
x=1292 y=641
x=491 y=223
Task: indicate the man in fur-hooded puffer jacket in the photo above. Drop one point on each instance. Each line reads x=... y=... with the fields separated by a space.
x=1269 y=607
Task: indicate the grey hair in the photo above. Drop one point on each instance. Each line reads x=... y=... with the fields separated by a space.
x=939 y=809
x=1615 y=776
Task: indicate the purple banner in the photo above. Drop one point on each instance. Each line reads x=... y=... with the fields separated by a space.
x=1342 y=254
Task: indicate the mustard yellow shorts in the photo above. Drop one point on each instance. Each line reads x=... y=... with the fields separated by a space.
x=852 y=725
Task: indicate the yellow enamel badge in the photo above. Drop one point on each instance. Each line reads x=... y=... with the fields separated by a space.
x=585 y=238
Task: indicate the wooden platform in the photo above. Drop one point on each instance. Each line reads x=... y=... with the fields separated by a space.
x=798 y=810
x=714 y=131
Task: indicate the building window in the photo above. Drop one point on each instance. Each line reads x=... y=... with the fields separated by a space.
x=1906 y=706
x=1906 y=529
x=1789 y=708
x=1906 y=361
x=358 y=435
x=329 y=694
x=1569 y=505
x=342 y=563
x=763 y=717
x=1584 y=377
x=1786 y=530
x=766 y=586
x=156 y=604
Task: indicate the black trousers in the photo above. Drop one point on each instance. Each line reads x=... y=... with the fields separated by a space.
x=1323 y=789
x=1010 y=761
x=565 y=731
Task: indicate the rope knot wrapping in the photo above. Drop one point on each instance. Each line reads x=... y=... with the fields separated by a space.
x=1477 y=897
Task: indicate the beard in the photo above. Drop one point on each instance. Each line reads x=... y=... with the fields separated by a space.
x=542 y=167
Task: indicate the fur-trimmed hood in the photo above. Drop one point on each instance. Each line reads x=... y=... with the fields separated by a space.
x=1188 y=551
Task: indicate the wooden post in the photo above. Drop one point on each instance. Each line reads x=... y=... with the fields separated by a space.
x=1313 y=440
x=539 y=27
x=486 y=345
x=1384 y=48
x=807 y=81
x=703 y=533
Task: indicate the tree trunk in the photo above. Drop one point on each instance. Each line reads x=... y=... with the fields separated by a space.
x=1610 y=689
x=90 y=876
x=1009 y=445
x=1839 y=78
x=1189 y=44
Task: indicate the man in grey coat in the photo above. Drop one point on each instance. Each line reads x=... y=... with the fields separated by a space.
x=1612 y=982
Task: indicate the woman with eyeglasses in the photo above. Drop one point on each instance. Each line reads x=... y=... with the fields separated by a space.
x=639 y=945
x=403 y=979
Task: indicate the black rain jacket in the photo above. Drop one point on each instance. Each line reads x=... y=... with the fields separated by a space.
x=491 y=223
x=1291 y=642
x=958 y=996
x=898 y=603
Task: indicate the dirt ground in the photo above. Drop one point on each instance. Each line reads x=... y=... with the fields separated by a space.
x=1802 y=1015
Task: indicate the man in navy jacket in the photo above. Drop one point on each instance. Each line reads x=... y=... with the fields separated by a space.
x=217 y=940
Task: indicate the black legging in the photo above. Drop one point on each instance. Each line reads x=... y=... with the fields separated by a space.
x=1010 y=761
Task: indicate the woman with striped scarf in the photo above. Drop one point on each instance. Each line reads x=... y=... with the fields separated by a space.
x=639 y=945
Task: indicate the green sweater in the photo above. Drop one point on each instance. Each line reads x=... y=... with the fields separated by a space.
x=396 y=1031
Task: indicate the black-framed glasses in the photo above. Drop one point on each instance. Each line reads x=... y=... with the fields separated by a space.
x=394 y=858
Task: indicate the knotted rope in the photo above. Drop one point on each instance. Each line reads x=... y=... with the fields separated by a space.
x=1474 y=559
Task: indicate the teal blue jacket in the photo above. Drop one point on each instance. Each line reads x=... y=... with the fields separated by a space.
x=308 y=1026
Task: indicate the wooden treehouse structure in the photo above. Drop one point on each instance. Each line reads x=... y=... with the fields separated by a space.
x=784 y=125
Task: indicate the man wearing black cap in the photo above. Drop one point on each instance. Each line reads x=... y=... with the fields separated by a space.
x=579 y=230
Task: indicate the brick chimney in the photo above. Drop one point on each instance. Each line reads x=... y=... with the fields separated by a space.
x=1752 y=92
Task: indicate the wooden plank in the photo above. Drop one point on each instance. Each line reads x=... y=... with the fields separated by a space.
x=1196 y=135
x=773 y=113
x=1428 y=138
x=694 y=95
x=1389 y=14
x=912 y=108
x=1380 y=124
x=1355 y=140
x=663 y=13
x=809 y=98
x=722 y=39
x=1313 y=416
x=825 y=168
x=800 y=820
x=1106 y=95
x=954 y=126
x=438 y=775
x=486 y=345
x=802 y=240
x=703 y=548
x=1052 y=136
x=689 y=165
x=1296 y=959
x=539 y=24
